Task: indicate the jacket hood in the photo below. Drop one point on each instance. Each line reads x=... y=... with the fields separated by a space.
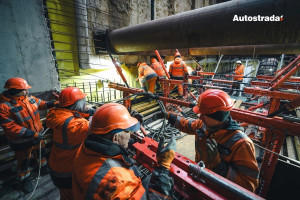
x=104 y=146
x=57 y=116
x=177 y=60
x=4 y=97
x=232 y=125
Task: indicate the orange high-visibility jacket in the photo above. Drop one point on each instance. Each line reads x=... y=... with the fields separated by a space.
x=70 y=128
x=96 y=176
x=178 y=68
x=156 y=66
x=238 y=152
x=240 y=72
x=146 y=71
x=17 y=114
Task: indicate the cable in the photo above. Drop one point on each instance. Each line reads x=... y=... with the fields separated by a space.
x=40 y=166
x=287 y=158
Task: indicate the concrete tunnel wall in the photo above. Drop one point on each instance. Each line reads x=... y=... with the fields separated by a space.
x=25 y=49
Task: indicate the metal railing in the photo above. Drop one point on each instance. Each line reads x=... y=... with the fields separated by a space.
x=97 y=91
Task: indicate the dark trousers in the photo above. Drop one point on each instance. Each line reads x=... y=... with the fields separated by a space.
x=236 y=86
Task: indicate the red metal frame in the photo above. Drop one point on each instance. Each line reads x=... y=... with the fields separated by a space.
x=283 y=86
x=206 y=73
x=287 y=68
x=275 y=124
x=274 y=94
x=285 y=77
x=269 y=78
x=183 y=182
x=163 y=99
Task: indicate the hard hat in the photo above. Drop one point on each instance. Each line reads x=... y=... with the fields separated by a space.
x=238 y=62
x=177 y=54
x=213 y=100
x=69 y=96
x=16 y=83
x=113 y=118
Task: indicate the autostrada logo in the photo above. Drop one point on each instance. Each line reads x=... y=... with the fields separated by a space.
x=258 y=18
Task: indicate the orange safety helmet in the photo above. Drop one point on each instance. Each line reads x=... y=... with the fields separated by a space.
x=213 y=100
x=69 y=96
x=177 y=54
x=113 y=118
x=16 y=83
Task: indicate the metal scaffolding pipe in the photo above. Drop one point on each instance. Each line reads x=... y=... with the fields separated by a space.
x=213 y=26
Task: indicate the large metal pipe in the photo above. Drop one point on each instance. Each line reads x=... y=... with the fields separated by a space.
x=247 y=50
x=213 y=26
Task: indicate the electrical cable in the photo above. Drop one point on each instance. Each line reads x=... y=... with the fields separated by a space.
x=40 y=166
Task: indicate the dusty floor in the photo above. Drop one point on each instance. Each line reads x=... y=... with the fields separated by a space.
x=186 y=146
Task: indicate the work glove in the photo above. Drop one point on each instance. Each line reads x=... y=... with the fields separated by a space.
x=213 y=157
x=51 y=104
x=39 y=136
x=165 y=155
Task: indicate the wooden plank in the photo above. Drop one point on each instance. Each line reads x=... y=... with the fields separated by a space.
x=290 y=147
x=45 y=186
x=233 y=100
x=298 y=113
x=297 y=145
x=237 y=104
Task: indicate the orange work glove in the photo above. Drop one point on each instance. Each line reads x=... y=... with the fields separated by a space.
x=213 y=157
x=165 y=155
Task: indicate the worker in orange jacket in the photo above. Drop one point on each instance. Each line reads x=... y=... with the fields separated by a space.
x=219 y=141
x=146 y=73
x=102 y=169
x=177 y=70
x=156 y=66
x=20 y=120
x=70 y=127
x=239 y=73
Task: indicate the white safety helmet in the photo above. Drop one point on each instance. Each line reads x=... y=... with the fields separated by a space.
x=239 y=62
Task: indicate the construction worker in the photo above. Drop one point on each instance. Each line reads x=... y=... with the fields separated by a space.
x=198 y=69
x=70 y=127
x=239 y=72
x=219 y=141
x=20 y=120
x=102 y=169
x=177 y=70
x=156 y=66
x=146 y=73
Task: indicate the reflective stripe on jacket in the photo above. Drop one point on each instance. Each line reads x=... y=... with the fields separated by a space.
x=240 y=72
x=156 y=66
x=146 y=71
x=17 y=114
x=235 y=148
x=178 y=68
x=96 y=176
x=70 y=128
